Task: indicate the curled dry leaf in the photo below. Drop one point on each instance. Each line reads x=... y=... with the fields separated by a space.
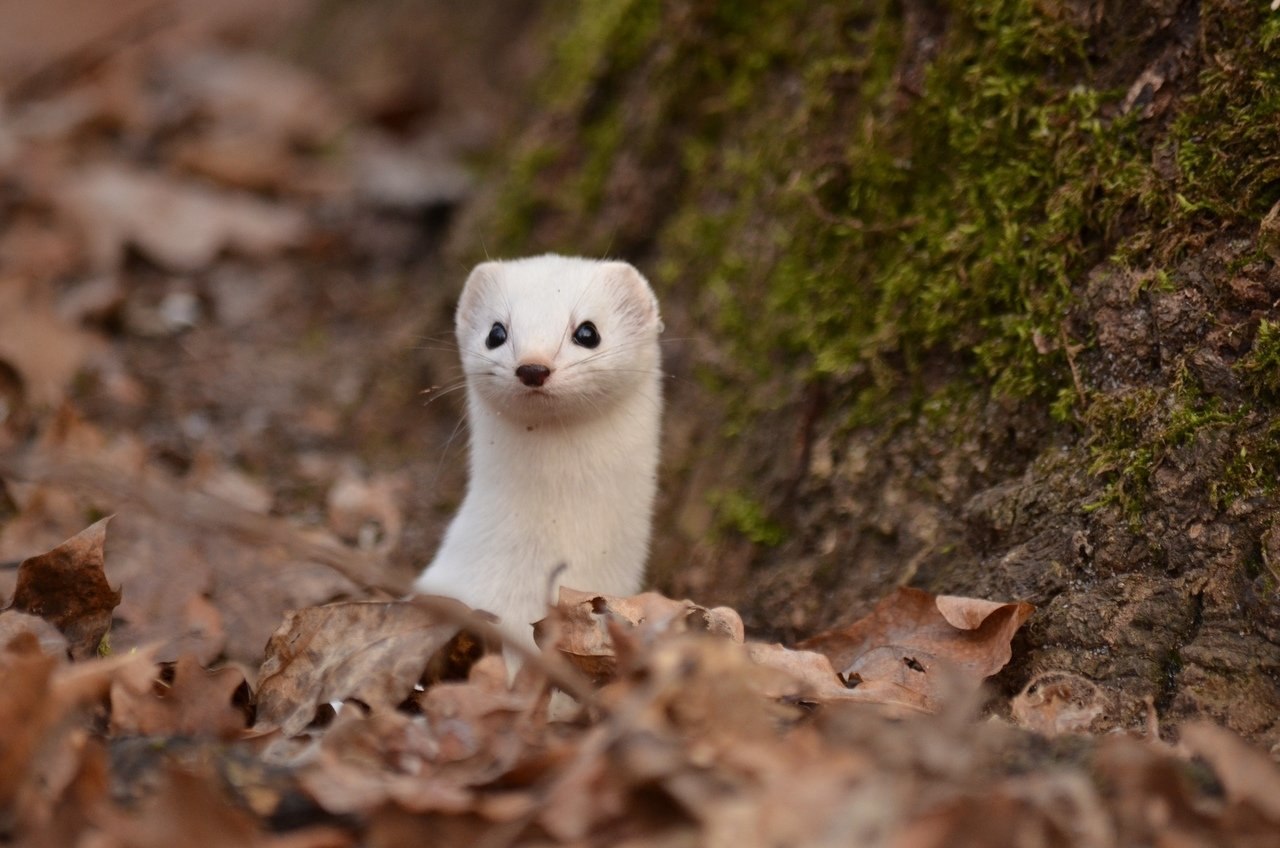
x=924 y=647
x=809 y=678
x=44 y=712
x=274 y=99
x=180 y=225
x=1150 y=797
x=50 y=638
x=68 y=587
x=44 y=350
x=196 y=702
x=1057 y=702
x=482 y=726
x=369 y=651
x=190 y=809
x=1249 y=777
x=365 y=762
x=398 y=178
x=583 y=620
x=367 y=512
x=24 y=710
x=238 y=158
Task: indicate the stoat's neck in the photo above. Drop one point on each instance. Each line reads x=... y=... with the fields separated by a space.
x=555 y=465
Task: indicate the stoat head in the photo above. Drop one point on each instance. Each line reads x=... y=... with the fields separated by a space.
x=556 y=339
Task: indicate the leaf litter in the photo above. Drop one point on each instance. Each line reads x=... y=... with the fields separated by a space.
x=166 y=187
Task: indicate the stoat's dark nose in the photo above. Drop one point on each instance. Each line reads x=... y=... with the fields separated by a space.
x=533 y=375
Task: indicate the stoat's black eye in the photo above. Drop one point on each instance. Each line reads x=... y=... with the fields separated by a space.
x=586 y=335
x=497 y=335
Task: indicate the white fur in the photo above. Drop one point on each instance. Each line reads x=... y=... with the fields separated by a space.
x=562 y=475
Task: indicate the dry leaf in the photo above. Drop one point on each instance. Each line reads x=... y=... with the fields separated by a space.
x=398 y=178
x=68 y=587
x=182 y=226
x=371 y=652
x=365 y=762
x=1149 y=795
x=44 y=350
x=24 y=711
x=921 y=646
x=367 y=513
x=1249 y=776
x=583 y=619
x=187 y=810
x=196 y=702
x=809 y=678
x=264 y=94
x=50 y=639
x=1057 y=702
x=238 y=158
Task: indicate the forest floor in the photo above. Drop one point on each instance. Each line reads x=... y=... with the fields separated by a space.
x=224 y=323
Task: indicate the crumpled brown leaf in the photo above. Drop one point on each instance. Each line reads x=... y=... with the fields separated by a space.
x=809 y=678
x=920 y=648
x=581 y=626
x=373 y=652
x=189 y=809
x=367 y=513
x=44 y=350
x=258 y=93
x=1250 y=778
x=1058 y=702
x=44 y=710
x=50 y=638
x=196 y=702
x=68 y=587
x=180 y=225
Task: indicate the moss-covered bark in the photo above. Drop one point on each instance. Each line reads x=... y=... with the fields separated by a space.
x=974 y=295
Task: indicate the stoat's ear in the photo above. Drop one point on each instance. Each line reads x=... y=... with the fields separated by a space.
x=481 y=280
x=635 y=296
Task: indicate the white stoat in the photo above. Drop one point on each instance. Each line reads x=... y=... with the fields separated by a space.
x=564 y=403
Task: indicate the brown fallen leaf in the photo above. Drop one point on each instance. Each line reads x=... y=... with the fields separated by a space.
x=809 y=678
x=1004 y=818
x=44 y=350
x=582 y=625
x=45 y=710
x=259 y=92
x=190 y=809
x=482 y=726
x=180 y=225
x=1249 y=777
x=50 y=639
x=195 y=702
x=68 y=587
x=924 y=646
x=24 y=700
x=1057 y=702
x=367 y=513
x=229 y=574
x=1150 y=796
x=238 y=158
x=373 y=652
x=365 y=762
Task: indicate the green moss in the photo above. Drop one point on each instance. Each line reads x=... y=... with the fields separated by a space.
x=1133 y=431
x=945 y=225
x=739 y=513
x=1227 y=149
x=1254 y=466
x=1260 y=368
